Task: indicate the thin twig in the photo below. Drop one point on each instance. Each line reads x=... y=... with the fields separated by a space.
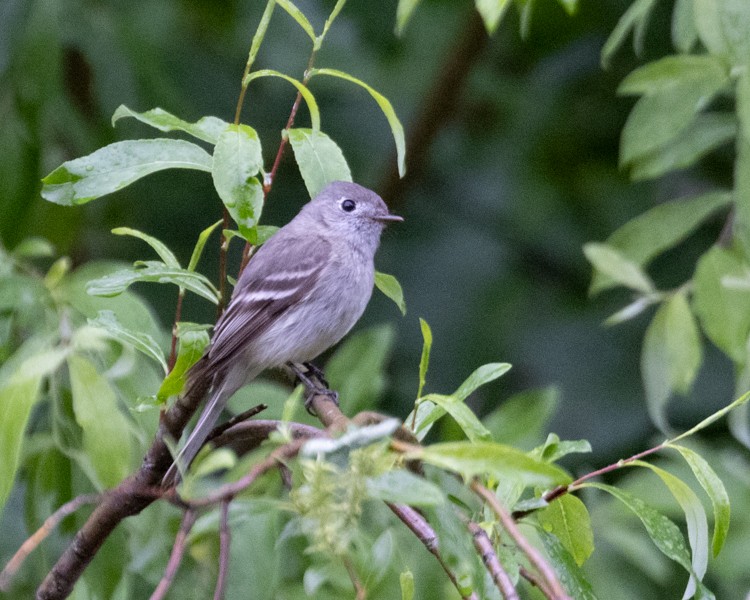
x=225 y=539
x=536 y=581
x=243 y=416
x=491 y=562
x=177 y=317
x=178 y=550
x=535 y=558
x=361 y=592
x=426 y=534
x=40 y=534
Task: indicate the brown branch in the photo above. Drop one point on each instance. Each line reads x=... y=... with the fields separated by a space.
x=178 y=550
x=360 y=591
x=429 y=539
x=439 y=106
x=40 y=534
x=177 y=317
x=243 y=416
x=535 y=558
x=491 y=562
x=225 y=539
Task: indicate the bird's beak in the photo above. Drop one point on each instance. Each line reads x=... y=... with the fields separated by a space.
x=388 y=218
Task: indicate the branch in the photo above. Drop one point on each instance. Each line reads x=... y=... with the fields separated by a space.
x=535 y=558
x=225 y=539
x=178 y=550
x=536 y=581
x=360 y=591
x=40 y=534
x=491 y=562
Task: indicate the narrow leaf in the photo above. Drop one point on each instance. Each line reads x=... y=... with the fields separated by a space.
x=634 y=19
x=192 y=343
x=695 y=518
x=312 y=104
x=520 y=420
x=660 y=75
x=571 y=576
x=106 y=438
x=396 y=128
x=201 y=244
x=298 y=16
x=492 y=12
x=671 y=356
x=207 y=129
x=715 y=490
x=462 y=414
x=319 y=159
x=118 y=165
x=424 y=361
x=613 y=265
x=155 y=272
x=402 y=487
x=471 y=459
x=568 y=520
x=404 y=12
x=159 y=247
x=390 y=286
x=142 y=342
x=684 y=32
x=659 y=229
x=237 y=159
x=712 y=419
x=406 y=580
x=481 y=376
x=662 y=531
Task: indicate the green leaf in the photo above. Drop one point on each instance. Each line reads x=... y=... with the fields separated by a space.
x=106 y=437
x=390 y=286
x=684 y=32
x=192 y=343
x=520 y=420
x=159 y=247
x=695 y=518
x=462 y=414
x=471 y=459
x=319 y=159
x=329 y=21
x=433 y=407
x=671 y=71
x=634 y=19
x=568 y=520
x=207 y=129
x=33 y=247
x=554 y=449
x=201 y=244
x=659 y=229
x=662 y=531
x=402 y=487
x=492 y=12
x=404 y=12
x=704 y=134
x=155 y=272
x=615 y=266
x=724 y=28
x=298 y=16
x=118 y=165
x=396 y=128
x=237 y=159
x=406 y=580
x=570 y=6
x=481 y=376
x=724 y=312
x=142 y=342
x=658 y=118
x=356 y=369
x=712 y=418
x=312 y=105
x=18 y=394
x=715 y=490
x=424 y=360
x=741 y=225
x=571 y=576
x=671 y=356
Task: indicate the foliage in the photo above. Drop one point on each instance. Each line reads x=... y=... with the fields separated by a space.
x=87 y=368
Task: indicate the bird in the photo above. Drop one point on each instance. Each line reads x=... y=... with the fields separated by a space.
x=300 y=294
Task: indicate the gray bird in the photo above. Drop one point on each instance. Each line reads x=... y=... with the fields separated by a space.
x=302 y=292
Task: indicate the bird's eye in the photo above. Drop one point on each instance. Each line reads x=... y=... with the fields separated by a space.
x=348 y=205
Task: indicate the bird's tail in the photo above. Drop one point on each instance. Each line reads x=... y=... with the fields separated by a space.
x=198 y=436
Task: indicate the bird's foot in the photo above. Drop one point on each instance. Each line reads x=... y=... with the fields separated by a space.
x=315 y=385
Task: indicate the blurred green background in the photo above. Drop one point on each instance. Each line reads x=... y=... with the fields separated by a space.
x=512 y=158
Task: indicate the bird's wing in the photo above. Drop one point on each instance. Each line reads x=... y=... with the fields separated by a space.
x=277 y=278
